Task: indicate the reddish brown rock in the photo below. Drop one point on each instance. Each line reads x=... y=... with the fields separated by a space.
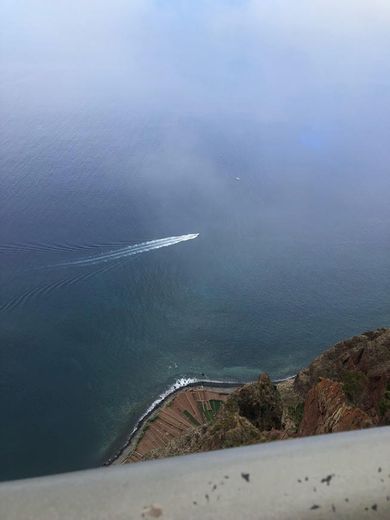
x=327 y=410
x=361 y=364
x=345 y=388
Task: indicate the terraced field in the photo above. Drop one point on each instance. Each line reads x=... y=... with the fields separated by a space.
x=188 y=408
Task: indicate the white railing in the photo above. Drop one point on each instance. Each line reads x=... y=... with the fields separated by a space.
x=344 y=475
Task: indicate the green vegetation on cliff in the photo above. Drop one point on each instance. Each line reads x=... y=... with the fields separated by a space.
x=347 y=387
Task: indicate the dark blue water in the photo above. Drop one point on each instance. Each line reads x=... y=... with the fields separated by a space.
x=262 y=128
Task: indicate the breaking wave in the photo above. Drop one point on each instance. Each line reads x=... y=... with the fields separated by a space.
x=179 y=384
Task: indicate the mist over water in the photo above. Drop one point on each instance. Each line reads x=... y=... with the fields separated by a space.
x=263 y=126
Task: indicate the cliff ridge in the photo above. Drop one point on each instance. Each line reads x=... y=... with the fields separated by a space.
x=345 y=388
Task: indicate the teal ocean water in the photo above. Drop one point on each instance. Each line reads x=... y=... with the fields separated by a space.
x=127 y=131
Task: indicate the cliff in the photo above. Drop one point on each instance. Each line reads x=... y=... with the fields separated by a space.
x=345 y=388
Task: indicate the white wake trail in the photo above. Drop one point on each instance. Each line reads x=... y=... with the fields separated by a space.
x=135 y=249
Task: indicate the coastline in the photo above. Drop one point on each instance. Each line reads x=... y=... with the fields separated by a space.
x=344 y=388
x=179 y=386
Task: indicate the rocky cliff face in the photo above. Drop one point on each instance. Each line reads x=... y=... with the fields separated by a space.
x=259 y=403
x=345 y=388
x=362 y=366
x=327 y=410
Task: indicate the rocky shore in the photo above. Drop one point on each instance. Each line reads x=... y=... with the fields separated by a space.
x=345 y=388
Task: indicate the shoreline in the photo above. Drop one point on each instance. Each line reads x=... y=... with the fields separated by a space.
x=180 y=385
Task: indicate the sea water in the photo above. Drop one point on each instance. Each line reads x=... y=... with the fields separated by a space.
x=261 y=126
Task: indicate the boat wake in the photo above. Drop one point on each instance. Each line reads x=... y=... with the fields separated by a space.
x=44 y=290
x=135 y=249
x=110 y=261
